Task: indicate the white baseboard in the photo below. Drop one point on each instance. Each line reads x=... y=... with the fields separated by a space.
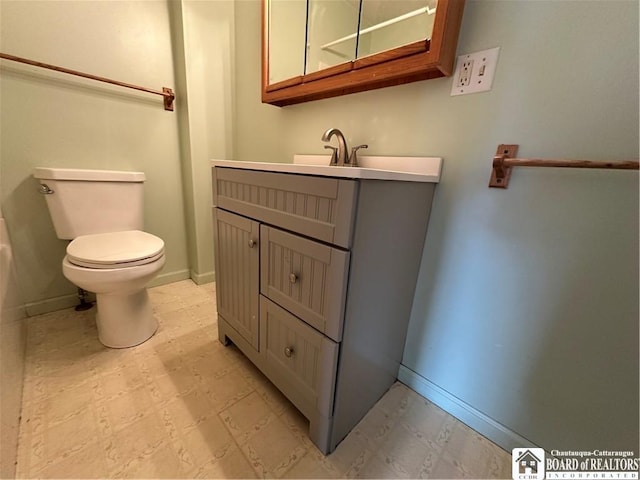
x=169 y=277
x=51 y=304
x=481 y=423
x=202 y=278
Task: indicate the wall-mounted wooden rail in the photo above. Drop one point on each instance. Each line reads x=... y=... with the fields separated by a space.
x=166 y=93
x=505 y=160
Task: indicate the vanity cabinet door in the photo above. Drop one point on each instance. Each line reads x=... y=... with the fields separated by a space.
x=307 y=278
x=237 y=281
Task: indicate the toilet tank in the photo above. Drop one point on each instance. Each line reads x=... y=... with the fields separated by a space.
x=83 y=202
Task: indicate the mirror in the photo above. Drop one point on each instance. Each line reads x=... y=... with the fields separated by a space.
x=331 y=33
x=354 y=45
x=287 y=27
x=385 y=25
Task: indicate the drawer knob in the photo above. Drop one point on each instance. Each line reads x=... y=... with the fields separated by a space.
x=252 y=243
x=293 y=278
x=288 y=352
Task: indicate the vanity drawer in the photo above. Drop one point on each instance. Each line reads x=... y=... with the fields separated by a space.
x=307 y=278
x=318 y=207
x=299 y=361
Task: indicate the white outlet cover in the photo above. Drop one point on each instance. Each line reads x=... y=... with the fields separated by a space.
x=483 y=70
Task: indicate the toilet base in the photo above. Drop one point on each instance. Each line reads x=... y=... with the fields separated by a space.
x=124 y=319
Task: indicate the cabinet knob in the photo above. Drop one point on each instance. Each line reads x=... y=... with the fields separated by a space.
x=293 y=278
x=252 y=243
x=288 y=351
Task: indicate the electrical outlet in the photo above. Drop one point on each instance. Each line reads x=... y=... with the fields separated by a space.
x=464 y=79
x=474 y=72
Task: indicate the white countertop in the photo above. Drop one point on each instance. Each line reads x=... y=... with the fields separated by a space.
x=406 y=169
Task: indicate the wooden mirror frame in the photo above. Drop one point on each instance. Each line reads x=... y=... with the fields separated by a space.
x=416 y=61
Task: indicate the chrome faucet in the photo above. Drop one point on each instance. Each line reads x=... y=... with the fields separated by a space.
x=341 y=157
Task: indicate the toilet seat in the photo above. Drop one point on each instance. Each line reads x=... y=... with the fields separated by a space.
x=115 y=249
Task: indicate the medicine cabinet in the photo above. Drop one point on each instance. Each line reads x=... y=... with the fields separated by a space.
x=315 y=49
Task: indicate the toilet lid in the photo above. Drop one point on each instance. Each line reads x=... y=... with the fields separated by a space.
x=107 y=250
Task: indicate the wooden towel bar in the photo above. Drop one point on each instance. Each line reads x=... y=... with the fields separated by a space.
x=167 y=93
x=505 y=159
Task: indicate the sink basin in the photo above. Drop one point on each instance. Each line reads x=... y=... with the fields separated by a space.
x=407 y=169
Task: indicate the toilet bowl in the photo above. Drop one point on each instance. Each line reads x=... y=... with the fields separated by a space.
x=117 y=266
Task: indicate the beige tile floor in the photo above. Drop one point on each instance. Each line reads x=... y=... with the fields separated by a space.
x=183 y=406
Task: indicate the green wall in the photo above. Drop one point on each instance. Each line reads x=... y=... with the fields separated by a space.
x=203 y=39
x=525 y=318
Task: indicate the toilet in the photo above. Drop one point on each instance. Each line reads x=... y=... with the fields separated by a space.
x=101 y=212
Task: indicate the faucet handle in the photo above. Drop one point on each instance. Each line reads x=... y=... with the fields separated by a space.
x=334 y=155
x=353 y=158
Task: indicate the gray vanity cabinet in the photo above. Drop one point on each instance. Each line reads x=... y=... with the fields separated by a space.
x=315 y=281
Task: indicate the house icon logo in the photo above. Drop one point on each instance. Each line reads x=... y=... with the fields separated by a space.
x=527 y=464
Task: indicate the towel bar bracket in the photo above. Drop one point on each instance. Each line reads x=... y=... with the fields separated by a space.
x=168 y=99
x=501 y=173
